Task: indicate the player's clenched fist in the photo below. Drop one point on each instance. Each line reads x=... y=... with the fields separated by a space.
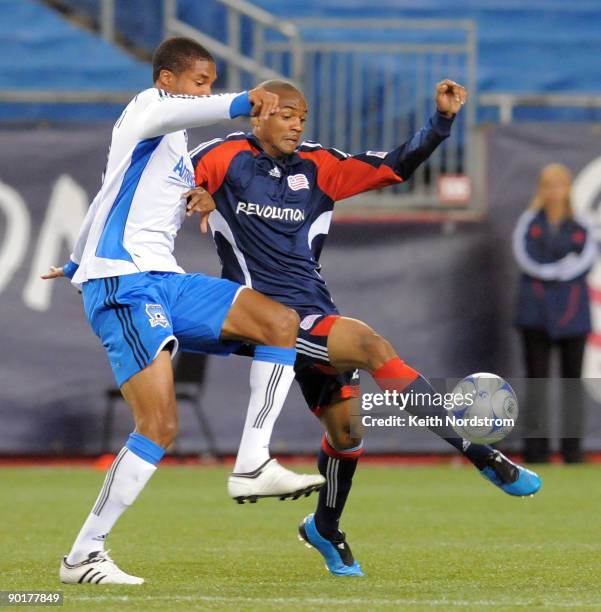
x=199 y=200
x=450 y=97
x=264 y=102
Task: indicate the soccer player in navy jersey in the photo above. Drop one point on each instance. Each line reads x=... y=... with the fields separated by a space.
x=274 y=198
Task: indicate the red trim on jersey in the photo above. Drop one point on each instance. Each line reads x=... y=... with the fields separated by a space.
x=325 y=325
x=328 y=449
x=343 y=178
x=212 y=168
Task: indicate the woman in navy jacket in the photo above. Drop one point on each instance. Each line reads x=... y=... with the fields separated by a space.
x=554 y=252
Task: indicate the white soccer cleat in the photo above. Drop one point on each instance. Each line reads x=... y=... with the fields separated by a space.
x=98 y=568
x=272 y=480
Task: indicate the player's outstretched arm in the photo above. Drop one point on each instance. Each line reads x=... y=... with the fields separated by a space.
x=167 y=112
x=342 y=176
x=449 y=97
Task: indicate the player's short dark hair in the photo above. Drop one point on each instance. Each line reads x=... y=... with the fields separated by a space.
x=176 y=54
x=277 y=85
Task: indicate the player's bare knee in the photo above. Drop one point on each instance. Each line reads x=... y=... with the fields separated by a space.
x=167 y=432
x=283 y=328
x=342 y=437
x=376 y=350
x=160 y=428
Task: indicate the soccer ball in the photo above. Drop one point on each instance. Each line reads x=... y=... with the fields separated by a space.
x=485 y=408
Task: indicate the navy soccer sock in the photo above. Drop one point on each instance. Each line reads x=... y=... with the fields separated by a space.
x=338 y=468
x=395 y=375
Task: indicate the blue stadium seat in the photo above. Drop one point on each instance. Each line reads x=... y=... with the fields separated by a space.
x=41 y=50
x=140 y=20
x=560 y=41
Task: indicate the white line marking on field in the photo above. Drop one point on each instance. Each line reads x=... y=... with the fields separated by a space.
x=357 y=601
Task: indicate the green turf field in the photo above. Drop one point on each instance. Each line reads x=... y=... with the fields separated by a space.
x=427 y=537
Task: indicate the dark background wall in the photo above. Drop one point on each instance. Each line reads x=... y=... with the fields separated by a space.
x=442 y=294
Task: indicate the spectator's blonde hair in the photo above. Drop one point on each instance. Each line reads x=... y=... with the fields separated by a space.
x=555 y=170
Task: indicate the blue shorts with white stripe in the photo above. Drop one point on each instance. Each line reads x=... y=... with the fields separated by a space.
x=137 y=315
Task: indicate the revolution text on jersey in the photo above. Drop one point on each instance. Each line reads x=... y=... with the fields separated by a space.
x=272 y=217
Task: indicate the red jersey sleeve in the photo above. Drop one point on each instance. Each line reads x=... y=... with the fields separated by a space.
x=341 y=176
x=212 y=160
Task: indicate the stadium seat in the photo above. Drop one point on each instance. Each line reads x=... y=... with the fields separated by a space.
x=507 y=32
x=40 y=50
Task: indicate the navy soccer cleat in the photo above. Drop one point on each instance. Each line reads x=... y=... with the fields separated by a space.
x=337 y=553
x=511 y=478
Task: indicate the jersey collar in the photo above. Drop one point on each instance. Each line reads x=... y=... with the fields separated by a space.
x=290 y=160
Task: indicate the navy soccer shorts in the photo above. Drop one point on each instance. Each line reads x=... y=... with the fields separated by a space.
x=320 y=383
x=138 y=315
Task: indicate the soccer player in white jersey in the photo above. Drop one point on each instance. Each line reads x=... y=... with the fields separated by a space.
x=143 y=306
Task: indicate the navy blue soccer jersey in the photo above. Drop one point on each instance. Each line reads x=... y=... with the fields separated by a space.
x=272 y=216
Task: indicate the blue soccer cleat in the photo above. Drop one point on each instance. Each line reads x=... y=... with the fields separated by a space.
x=511 y=478
x=337 y=553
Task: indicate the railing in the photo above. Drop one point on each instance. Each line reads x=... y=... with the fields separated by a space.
x=231 y=50
x=507 y=103
x=107 y=19
x=374 y=94
x=43 y=96
x=362 y=95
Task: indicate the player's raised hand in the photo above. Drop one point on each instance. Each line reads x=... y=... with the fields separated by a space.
x=450 y=97
x=200 y=201
x=264 y=102
x=55 y=272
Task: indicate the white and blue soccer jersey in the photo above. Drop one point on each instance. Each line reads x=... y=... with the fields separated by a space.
x=136 y=298
x=132 y=223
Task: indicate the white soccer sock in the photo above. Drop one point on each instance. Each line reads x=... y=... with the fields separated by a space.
x=269 y=386
x=127 y=476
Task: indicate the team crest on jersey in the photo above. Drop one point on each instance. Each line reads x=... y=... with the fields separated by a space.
x=157 y=315
x=296 y=182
